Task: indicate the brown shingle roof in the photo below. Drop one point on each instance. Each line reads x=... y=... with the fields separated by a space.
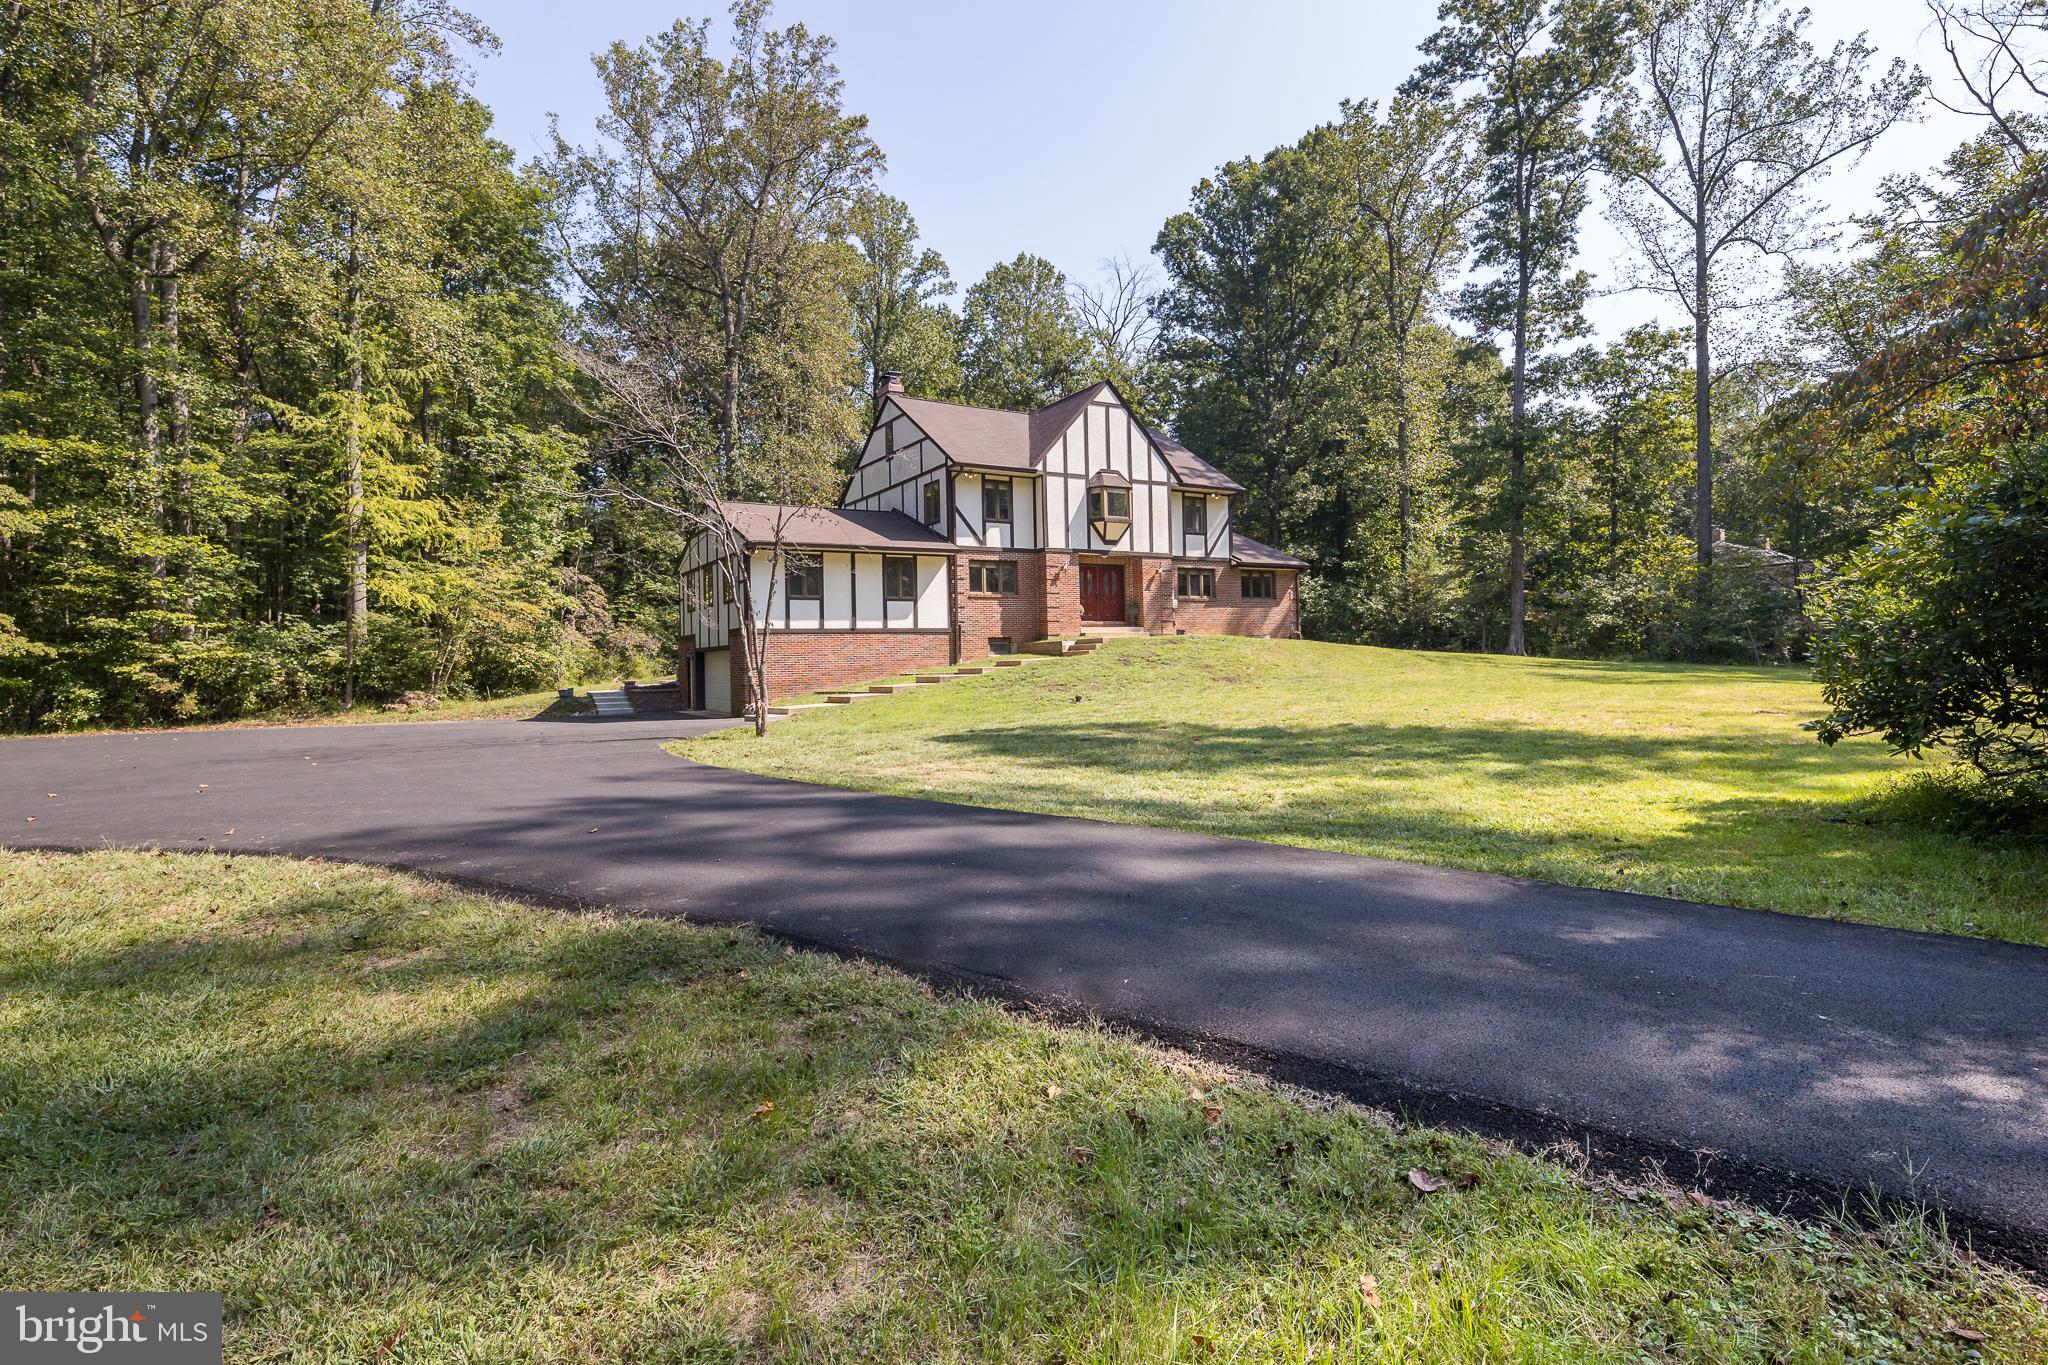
x=1192 y=469
x=994 y=439
x=977 y=436
x=832 y=528
x=1245 y=550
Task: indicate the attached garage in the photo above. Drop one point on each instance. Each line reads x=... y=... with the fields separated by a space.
x=717 y=681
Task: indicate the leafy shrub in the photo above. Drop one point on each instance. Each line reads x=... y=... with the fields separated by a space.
x=1936 y=634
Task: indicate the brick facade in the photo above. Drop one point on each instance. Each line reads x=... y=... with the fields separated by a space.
x=802 y=661
x=1060 y=577
x=983 y=617
x=1230 y=613
x=1047 y=603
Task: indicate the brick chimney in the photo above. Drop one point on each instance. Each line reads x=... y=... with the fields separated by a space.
x=888 y=382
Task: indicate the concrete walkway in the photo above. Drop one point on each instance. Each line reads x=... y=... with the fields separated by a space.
x=1753 y=1053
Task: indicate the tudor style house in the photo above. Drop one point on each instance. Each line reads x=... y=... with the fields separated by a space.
x=968 y=531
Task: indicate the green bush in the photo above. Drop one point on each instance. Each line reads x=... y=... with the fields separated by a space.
x=1936 y=634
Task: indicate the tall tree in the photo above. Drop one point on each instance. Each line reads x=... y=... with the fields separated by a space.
x=1733 y=116
x=1021 y=340
x=1123 y=335
x=1532 y=67
x=900 y=323
x=707 y=231
x=710 y=214
x=1408 y=181
x=1253 y=321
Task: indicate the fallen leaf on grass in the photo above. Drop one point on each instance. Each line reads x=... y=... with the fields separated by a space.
x=1369 y=1286
x=384 y=1346
x=1965 y=1333
x=1213 y=1113
x=1696 y=1197
x=1052 y=1092
x=1424 y=1181
x=764 y=1109
x=1138 y=1121
x=1081 y=1155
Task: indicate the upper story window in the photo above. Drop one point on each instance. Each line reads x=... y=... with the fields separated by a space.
x=1256 y=583
x=889 y=437
x=803 y=578
x=932 y=498
x=995 y=500
x=899 y=578
x=1109 y=510
x=1194 y=515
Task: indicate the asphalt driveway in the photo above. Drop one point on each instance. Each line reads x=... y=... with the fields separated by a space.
x=1758 y=1053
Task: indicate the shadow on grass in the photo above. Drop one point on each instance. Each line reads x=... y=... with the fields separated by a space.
x=645 y=1143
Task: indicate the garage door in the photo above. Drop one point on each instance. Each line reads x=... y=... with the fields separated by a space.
x=718 y=681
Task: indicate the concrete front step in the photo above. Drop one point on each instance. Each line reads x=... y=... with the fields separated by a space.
x=612 y=703
x=791 y=710
x=1058 y=646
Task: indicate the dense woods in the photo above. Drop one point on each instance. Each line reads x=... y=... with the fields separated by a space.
x=310 y=395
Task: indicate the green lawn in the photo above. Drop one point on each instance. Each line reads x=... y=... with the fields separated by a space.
x=393 y=1122
x=516 y=707
x=1669 y=779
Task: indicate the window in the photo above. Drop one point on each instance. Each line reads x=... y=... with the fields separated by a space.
x=1194 y=516
x=1109 y=511
x=1197 y=583
x=899 y=577
x=992 y=575
x=889 y=437
x=1002 y=644
x=931 y=503
x=1256 y=583
x=803 y=578
x=995 y=500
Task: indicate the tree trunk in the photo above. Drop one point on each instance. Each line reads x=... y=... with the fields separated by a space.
x=149 y=429
x=1404 y=493
x=1702 y=408
x=356 y=532
x=1518 y=460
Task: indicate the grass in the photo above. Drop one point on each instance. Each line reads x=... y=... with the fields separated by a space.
x=389 y=1121
x=519 y=706
x=1668 y=779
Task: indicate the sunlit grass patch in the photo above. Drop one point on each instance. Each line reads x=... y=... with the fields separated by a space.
x=388 y=1120
x=1667 y=779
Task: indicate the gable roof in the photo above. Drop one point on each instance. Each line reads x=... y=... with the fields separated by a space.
x=1190 y=468
x=832 y=528
x=993 y=438
x=1245 y=550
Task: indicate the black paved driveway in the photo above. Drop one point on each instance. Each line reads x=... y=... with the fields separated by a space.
x=1808 y=1054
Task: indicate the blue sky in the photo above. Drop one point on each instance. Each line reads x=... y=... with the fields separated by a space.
x=1073 y=130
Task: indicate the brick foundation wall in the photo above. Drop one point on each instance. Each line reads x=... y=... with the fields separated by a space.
x=814 y=660
x=1060 y=589
x=1228 y=613
x=1148 y=592
x=1017 y=616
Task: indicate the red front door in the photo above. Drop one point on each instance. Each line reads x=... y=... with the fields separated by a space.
x=1102 y=592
